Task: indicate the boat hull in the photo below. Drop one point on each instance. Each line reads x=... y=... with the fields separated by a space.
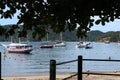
x=50 y=46
x=19 y=51
x=88 y=47
x=59 y=45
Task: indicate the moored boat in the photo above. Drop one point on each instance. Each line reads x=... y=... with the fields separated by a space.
x=18 y=48
x=107 y=42
x=46 y=46
x=81 y=44
x=59 y=44
x=88 y=46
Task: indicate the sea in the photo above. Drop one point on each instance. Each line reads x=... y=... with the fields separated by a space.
x=38 y=61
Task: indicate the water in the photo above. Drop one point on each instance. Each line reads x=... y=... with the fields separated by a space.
x=38 y=61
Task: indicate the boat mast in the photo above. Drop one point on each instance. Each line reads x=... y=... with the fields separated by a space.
x=11 y=39
x=47 y=36
x=18 y=36
x=27 y=39
x=19 y=39
x=61 y=36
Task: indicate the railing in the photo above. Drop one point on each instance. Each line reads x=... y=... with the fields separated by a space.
x=0 y=67
x=53 y=65
x=53 y=68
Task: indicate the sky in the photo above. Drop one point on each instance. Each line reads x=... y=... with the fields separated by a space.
x=111 y=26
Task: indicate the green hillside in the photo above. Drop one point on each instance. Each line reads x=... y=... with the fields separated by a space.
x=71 y=36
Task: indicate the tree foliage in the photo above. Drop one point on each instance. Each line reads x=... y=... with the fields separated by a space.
x=2 y=30
x=60 y=15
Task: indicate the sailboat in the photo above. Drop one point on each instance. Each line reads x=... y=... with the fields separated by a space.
x=60 y=43
x=19 y=47
x=118 y=39
x=88 y=46
x=46 y=44
x=84 y=44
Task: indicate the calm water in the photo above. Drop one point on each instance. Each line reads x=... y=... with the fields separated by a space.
x=38 y=61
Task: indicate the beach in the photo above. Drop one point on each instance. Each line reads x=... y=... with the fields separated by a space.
x=61 y=76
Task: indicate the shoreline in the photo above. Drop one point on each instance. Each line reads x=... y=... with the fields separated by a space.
x=61 y=76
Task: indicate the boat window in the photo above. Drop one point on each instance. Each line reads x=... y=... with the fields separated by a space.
x=30 y=45
x=12 y=46
x=17 y=46
x=22 y=46
x=25 y=46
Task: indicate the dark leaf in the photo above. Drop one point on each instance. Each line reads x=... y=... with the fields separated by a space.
x=97 y=22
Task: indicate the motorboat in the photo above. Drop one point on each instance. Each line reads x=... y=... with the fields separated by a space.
x=59 y=44
x=107 y=42
x=82 y=44
x=18 y=48
x=88 y=46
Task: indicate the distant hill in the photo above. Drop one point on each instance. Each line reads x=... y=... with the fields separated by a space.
x=95 y=35
x=110 y=36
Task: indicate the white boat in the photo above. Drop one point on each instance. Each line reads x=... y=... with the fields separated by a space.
x=88 y=46
x=18 y=48
x=107 y=42
x=60 y=43
x=82 y=44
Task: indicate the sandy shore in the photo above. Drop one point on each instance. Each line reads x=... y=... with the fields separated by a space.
x=61 y=76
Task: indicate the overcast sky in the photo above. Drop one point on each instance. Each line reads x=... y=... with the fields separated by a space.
x=111 y=26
